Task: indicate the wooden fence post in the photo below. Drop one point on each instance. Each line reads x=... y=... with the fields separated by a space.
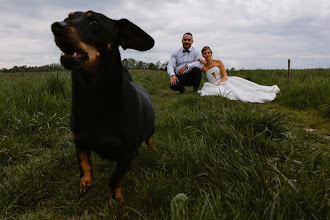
x=288 y=70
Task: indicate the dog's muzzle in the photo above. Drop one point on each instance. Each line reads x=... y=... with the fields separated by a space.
x=58 y=26
x=66 y=39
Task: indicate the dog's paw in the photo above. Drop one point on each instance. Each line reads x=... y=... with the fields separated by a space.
x=115 y=195
x=86 y=185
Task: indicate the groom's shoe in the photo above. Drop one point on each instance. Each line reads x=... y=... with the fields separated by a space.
x=182 y=90
x=195 y=88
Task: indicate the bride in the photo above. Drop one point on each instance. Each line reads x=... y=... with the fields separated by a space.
x=231 y=87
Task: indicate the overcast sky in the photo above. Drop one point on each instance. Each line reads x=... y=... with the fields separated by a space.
x=250 y=34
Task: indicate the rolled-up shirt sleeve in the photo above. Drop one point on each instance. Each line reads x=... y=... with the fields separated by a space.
x=171 y=65
x=196 y=64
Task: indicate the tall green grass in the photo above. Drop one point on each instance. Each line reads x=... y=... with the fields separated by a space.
x=230 y=160
x=34 y=112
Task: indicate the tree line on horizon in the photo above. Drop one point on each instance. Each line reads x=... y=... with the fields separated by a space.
x=129 y=63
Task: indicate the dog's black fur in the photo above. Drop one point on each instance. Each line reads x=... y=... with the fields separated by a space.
x=111 y=114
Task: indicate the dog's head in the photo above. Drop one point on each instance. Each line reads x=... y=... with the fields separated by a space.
x=84 y=36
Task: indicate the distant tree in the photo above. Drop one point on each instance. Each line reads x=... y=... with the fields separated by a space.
x=130 y=63
x=46 y=68
x=163 y=66
x=158 y=64
x=125 y=63
x=152 y=66
x=4 y=70
x=15 y=69
x=141 y=65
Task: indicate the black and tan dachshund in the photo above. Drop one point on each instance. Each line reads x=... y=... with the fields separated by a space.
x=111 y=115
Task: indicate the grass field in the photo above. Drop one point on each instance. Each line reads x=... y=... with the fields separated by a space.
x=218 y=159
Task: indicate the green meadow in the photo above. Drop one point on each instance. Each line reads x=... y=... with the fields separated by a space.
x=217 y=159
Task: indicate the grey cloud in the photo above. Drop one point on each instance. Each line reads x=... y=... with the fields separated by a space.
x=249 y=34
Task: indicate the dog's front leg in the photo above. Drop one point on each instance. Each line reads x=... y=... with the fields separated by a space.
x=86 y=172
x=114 y=189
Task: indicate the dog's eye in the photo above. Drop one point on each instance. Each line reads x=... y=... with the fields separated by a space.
x=94 y=23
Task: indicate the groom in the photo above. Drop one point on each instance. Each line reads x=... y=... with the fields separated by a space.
x=188 y=70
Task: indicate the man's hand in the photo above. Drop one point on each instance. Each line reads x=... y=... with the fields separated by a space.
x=174 y=80
x=181 y=70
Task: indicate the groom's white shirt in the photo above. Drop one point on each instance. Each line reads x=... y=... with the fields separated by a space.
x=180 y=58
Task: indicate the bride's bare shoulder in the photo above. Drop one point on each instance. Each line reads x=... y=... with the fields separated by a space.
x=218 y=61
x=220 y=64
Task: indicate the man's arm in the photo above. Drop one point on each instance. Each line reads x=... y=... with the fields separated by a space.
x=197 y=63
x=171 y=65
x=170 y=70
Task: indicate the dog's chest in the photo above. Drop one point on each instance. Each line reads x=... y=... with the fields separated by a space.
x=114 y=148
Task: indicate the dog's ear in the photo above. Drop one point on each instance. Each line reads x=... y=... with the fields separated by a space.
x=131 y=36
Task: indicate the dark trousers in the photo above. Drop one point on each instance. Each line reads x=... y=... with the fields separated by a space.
x=191 y=78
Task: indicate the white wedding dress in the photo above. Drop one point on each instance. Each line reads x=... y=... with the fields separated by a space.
x=237 y=88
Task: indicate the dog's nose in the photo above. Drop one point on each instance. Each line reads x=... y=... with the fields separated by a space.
x=58 y=26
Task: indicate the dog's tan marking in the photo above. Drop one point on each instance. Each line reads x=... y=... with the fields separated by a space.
x=73 y=30
x=71 y=14
x=89 y=14
x=150 y=145
x=73 y=34
x=87 y=180
x=117 y=194
x=92 y=52
x=109 y=46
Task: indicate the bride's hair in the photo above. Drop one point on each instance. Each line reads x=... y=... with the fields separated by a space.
x=206 y=48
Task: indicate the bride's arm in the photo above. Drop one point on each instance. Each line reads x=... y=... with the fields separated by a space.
x=222 y=71
x=203 y=69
